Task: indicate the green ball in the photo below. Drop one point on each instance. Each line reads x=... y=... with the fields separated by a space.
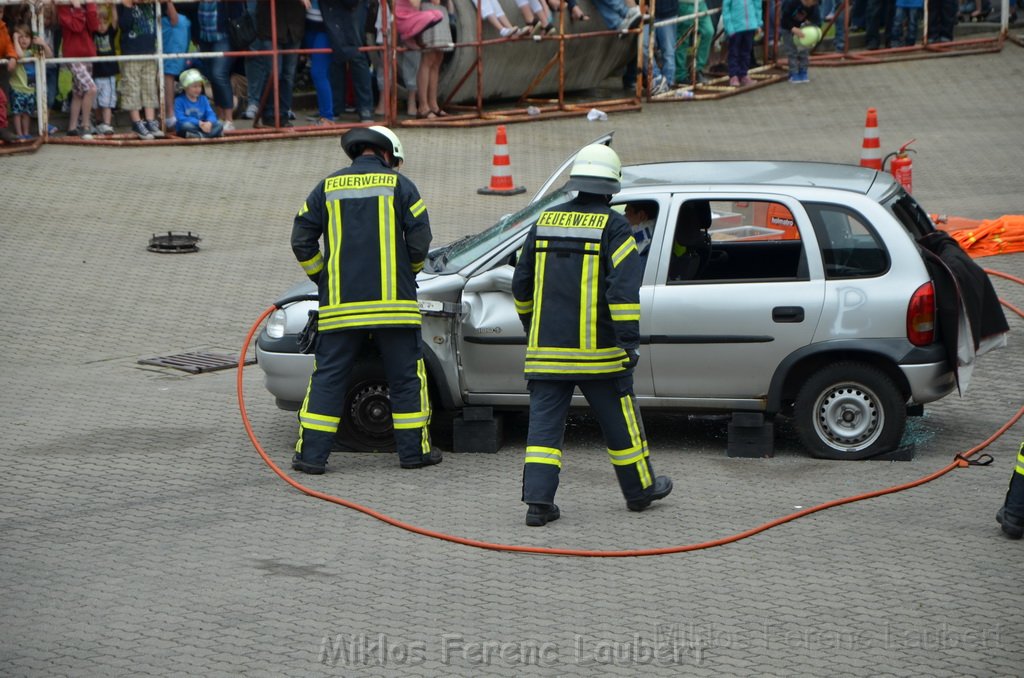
x=812 y=35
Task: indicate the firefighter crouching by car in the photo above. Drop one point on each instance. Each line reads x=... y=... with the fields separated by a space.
x=577 y=293
x=1011 y=515
x=376 y=234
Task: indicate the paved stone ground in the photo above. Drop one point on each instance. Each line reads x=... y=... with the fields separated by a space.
x=141 y=535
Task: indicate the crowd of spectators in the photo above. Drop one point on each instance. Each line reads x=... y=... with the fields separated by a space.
x=346 y=83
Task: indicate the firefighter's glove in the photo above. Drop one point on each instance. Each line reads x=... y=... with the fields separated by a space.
x=308 y=335
x=632 y=358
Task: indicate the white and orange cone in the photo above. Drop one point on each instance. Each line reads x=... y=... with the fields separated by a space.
x=501 y=172
x=871 y=148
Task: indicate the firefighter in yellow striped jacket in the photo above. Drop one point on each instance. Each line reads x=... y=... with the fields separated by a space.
x=376 y=234
x=1011 y=516
x=577 y=292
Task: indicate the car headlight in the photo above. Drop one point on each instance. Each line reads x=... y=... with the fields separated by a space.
x=276 y=324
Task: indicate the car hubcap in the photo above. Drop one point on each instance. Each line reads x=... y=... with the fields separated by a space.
x=848 y=417
x=371 y=410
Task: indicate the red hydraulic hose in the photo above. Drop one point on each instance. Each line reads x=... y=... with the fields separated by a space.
x=959 y=461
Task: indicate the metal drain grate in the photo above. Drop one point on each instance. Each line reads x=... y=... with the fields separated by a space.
x=196 y=363
x=173 y=243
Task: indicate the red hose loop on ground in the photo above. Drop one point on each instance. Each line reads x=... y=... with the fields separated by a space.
x=626 y=553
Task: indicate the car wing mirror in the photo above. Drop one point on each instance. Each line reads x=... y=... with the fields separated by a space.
x=495 y=280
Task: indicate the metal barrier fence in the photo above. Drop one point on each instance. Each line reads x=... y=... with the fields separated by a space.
x=555 y=72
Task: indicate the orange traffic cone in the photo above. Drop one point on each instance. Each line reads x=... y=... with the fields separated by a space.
x=501 y=174
x=871 y=149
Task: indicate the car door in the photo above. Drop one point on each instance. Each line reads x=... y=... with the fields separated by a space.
x=716 y=340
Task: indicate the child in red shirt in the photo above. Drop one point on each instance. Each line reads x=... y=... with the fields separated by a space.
x=77 y=24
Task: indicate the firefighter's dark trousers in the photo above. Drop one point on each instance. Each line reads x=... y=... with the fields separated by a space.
x=1015 y=495
x=336 y=353
x=614 y=406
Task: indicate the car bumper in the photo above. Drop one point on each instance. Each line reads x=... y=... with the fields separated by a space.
x=929 y=382
x=285 y=374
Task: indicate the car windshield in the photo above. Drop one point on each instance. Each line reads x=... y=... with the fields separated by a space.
x=460 y=253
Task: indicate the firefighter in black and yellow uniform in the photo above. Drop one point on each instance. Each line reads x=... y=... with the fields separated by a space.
x=577 y=292
x=1011 y=516
x=376 y=234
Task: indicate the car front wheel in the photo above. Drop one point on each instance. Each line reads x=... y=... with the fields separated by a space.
x=851 y=411
x=366 y=414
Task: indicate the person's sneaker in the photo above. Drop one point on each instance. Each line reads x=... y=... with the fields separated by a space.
x=229 y=126
x=659 y=85
x=193 y=135
x=804 y=77
x=154 y=128
x=1012 y=527
x=539 y=515
x=305 y=467
x=52 y=129
x=746 y=80
x=141 y=131
x=509 y=32
x=435 y=457
x=104 y=128
x=734 y=81
x=291 y=115
x=659 y=490
x=365 y=116
x=250 y=112
x=631 y=20
x=794 y=78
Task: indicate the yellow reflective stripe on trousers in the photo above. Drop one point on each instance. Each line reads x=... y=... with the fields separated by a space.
x=420 y=419
x=334 y=262
x=536 y=454
x=588 y=296
x=410 y=420
x=636 y=437
x=312 y=420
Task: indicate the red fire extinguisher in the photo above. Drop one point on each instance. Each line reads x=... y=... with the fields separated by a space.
x=902 y=167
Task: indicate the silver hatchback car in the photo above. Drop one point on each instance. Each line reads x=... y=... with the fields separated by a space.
x=814 y=303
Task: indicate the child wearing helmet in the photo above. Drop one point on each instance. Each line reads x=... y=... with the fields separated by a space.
x=196 y=118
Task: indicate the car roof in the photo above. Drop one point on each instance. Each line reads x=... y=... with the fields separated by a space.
x=766 y=173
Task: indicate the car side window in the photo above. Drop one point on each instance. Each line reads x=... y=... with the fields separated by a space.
x=747 y=241
x=850 y=248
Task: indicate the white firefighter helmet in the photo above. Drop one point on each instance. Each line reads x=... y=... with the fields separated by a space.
x=596 y=169
x=357 y=139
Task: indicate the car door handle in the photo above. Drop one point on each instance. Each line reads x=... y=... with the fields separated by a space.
x=788 y=314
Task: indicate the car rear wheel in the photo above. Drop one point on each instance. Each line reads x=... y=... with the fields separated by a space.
x=366 y=414
x=850 y=410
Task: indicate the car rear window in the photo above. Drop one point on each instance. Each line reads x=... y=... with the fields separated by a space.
x=850 y=247
x=910 y=214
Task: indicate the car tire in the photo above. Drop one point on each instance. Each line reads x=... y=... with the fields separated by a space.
x=850 y=410
x=366 y=412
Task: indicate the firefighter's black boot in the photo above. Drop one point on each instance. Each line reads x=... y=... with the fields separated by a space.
x=313 y=469
x=435 y=457
x=539 y=515
x=660 y=489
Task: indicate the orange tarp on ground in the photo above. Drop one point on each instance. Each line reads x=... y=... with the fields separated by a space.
x=987 y=237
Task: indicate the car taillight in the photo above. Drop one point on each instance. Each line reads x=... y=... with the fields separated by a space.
x=921 y=316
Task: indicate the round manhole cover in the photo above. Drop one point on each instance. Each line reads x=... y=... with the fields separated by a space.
x=173 y=243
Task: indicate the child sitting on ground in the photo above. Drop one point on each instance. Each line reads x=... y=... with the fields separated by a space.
x=195 y=116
